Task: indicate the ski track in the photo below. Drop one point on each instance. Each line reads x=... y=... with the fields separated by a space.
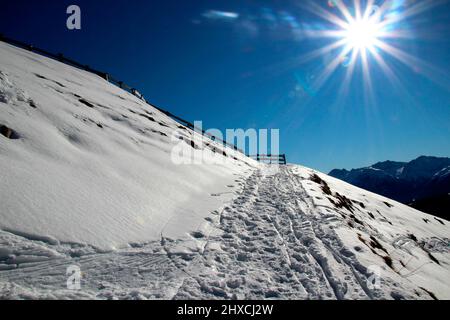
x=270 y=248
x=270 y=242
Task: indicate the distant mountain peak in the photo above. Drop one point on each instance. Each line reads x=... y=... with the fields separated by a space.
x=421 y=178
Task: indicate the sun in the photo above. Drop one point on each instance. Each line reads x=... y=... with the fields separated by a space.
x=366 y=34
x=362 y=34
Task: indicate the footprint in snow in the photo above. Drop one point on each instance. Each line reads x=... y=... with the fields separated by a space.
x=219 y=194
x=197 y=235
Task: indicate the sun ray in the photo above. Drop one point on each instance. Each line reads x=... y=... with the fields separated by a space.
x=418 y=65
x=397 y=34
x=292 y=63
x=369 y=9
x=348 y=74
x=326 y=33
x=402 y=56
x=344 y=10
x=321 y=51
x=385 y=6
x=412 y=11
x=357 y=4
x=368 y=88
x=330 y=68
x=392 y=77
x=321 y=12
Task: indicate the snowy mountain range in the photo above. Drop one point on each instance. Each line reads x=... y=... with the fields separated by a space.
x=89 y=184
x=424 y=183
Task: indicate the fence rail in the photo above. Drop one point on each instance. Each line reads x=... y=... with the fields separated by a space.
x=278 y=158
x=105 y=75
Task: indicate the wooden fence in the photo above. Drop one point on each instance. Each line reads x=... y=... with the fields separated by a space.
x=271 y=158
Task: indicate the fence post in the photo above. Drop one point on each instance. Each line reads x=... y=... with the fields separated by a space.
x=60 y=57
x=120 y=84
x=30 y=47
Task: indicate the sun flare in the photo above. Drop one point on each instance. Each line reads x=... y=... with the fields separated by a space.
x=362 y=34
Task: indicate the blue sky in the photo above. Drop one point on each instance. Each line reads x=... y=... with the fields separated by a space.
x=240 y=64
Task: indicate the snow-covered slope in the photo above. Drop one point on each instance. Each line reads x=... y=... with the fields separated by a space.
x=87 y=180
x=93 y=163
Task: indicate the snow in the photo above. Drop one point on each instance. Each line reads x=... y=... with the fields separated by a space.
x=100 y=174
x=400 y=171
x=90 y=183
x=442 y=173
x=407 y=236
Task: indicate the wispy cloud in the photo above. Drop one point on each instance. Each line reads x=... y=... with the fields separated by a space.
x=265 y=21
x=220 y=15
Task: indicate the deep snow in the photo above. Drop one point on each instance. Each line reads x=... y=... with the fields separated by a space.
x=93 y=162
x=89 y=181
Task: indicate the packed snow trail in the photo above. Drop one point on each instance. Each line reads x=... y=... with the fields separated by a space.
x=272 y=241
x=272 y=245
